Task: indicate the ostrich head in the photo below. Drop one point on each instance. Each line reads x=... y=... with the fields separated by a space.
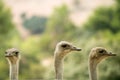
x=12 y=55
x=64 y=47
x=97 y=54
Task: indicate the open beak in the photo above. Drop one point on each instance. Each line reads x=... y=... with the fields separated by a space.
x=76 y=49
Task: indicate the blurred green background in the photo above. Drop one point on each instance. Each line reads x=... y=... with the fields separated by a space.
x=101 y=29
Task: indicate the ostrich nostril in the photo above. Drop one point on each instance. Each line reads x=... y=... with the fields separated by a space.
x=110 y=53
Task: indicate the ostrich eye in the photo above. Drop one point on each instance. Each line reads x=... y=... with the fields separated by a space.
x=5 y=52
x=101 y=51
x=16 y=53
x=64 y=45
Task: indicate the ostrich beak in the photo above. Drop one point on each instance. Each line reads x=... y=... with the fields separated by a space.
x=111 y=54
x=76 y=49
x=8 y=56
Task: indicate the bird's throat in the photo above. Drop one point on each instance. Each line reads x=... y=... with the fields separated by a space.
x=59 y=68
x=14 y=71
x=92 y=70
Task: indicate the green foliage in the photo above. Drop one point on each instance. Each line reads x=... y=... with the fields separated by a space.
x=5 y=19
x=59 y=24
x=35 y=24
x=104 y=19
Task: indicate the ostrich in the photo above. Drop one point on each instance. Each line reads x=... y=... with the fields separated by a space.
x=96 y=56
x=62 y=49
x=13 y=58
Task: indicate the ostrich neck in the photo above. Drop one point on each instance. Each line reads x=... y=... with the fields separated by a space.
x=14 y=71
x=59 y=67
x=92 y=70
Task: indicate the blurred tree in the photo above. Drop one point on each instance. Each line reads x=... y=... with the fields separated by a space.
x=5 y=19
x=35 y=24
x=59 y=23
x=105 y=18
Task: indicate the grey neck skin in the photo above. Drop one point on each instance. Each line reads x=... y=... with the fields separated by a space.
x=59 y=69
x=59 y=66
x=92 y=70
x=14 y=71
